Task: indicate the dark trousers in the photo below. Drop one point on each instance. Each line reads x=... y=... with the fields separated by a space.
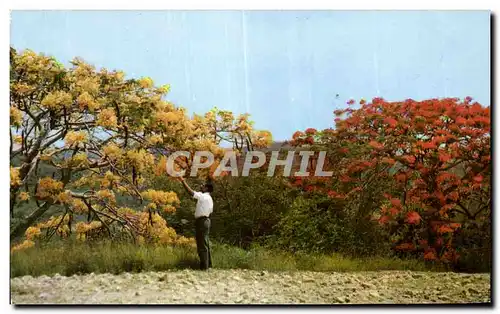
x=202 y=226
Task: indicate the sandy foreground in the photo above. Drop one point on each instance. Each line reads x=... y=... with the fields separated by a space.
x=253 y=287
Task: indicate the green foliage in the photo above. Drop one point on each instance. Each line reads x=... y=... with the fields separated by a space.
x=475 y=248
x=320 y=224
x=246 y=209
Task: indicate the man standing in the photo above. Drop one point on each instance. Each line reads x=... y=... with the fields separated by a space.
x=204 y=207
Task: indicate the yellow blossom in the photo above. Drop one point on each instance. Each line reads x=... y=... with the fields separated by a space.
x=15 y=179
x=85 y=100
x=26 y=244
x=88 y=84
x=160 y=197
x=57 y=99
x=18 y=139
x=146 y=82
x=155 y=139
x=24 y=196
x=169 y=117
x=75 y=137
x=32 y=232
x=63 y=231
x=48 y=187
x=16 y=116
x=165 y=88
x=79 y=160
x=119 y=75
x=107 y=195
x=64 y=197
x=23 y=88
x=83 y=227
x=79 y=206
x=107 y=118
x=112 y=151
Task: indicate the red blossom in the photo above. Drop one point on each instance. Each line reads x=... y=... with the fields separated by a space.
x=423 y=243
x=388 y=160
x=445 y=229
x=396 y=202
x=410 y=159
x=391 y=122
x=383 y=220
x=429 y=145
x=400 y=177
x=376 y=145
x=311 y=131
x=297 y=135
x=455 y=225
x=453 y=196
x=406 y=247
x=413 y=218
x=444 y=157
x=344 y=178
x=334 y=194
x=460 y=120
x=394 y=211
x=478 y=178
x=439 y=242
x=430 y=256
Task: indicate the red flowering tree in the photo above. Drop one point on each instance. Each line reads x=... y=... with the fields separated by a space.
x=434 y=153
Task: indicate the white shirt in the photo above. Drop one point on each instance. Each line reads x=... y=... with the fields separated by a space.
x=204 y=206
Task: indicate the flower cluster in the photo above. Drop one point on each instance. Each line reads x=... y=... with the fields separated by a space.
x=75 y=137
x=78 y=206
x=32 y=233
x=146 y=82
x=107 y=118
x=16 y=116
x=15 y=179
x=23 y=196
x=161 y=198
x=86 y=101
x=82 y=228
x=112 y=151
x=106 y=195
x=57 y=100
x=24 y=245
x=48 y=187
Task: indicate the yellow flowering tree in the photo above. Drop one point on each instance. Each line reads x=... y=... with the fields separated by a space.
x=103 y=135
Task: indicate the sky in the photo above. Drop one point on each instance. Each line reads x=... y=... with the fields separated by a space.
x=289 y=69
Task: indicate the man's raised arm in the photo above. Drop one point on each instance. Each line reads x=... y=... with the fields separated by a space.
x=186 y=186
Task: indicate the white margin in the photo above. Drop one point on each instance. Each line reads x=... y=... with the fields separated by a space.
x=8 y=5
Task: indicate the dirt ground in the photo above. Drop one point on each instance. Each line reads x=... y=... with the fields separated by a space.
x=253 y=287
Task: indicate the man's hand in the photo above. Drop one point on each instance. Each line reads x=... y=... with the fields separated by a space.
x=186 y=186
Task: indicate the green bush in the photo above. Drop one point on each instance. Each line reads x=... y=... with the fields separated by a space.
x=247 y=209
x=320 y=224
x=474 y=245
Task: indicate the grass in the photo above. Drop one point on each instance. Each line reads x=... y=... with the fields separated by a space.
x=107 y=257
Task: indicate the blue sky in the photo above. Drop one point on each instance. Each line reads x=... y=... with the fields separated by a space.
x=283 y=67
